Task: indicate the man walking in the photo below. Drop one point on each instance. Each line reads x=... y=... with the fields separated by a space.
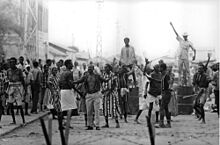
x=92 y=83
x=216 y=84
x=166 y=96
x=201 y=83
x=35 y=87
x=15 y=89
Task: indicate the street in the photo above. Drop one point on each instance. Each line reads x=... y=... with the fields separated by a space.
x=186 y=130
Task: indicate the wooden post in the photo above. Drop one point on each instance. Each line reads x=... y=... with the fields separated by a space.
x=151 y=130
x=50 y=127
x=68 y=126
x=60 y=124
x=45 y=131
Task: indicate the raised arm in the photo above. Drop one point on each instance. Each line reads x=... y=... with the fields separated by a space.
x=174 y=29
x=207 y=63
x=194 y=50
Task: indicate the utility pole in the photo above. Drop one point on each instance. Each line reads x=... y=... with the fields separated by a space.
x=29 y=18
x=100 y=4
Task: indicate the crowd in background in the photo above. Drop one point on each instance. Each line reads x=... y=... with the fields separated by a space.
x=25 y=84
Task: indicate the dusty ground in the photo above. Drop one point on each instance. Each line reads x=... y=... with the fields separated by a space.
x=185 y=131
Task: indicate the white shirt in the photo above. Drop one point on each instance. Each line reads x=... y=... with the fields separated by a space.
x=184 y=48
x=127 y=55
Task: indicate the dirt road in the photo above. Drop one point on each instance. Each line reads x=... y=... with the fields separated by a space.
x=185 y=130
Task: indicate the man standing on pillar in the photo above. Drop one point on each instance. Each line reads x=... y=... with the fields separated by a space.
x=128 y=56
x=183 y=59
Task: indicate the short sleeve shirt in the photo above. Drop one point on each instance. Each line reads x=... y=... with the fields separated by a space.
x=184 y=47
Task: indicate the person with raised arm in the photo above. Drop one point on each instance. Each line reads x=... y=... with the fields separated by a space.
x=183 y=59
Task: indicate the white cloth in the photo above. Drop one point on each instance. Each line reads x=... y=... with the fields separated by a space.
x=68 y=100
x=143 y=104
x=124 y=91
x=142 y=85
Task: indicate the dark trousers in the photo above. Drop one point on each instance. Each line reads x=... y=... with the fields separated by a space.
x=166 y=96
x=35 y=99
x=150 y=109
x=124 y=105
x=12 y=107
x=41 y=100
x=216 y=92
x=1 y=109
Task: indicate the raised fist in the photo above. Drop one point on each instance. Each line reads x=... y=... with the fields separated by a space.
x=171 y=23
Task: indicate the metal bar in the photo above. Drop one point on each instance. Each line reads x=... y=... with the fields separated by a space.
x=32 y=13
x=31 y=34
x=45 y=131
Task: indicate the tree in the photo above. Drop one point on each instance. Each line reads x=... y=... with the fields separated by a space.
x=9 y=22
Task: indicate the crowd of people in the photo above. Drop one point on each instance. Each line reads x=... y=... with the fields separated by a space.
x=65 y=86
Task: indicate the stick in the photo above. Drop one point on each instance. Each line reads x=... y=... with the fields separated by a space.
x=50 y=128
x=61 y=128
x=151 y=131
x=68 y=126
x=45 y=131
x=184 y=97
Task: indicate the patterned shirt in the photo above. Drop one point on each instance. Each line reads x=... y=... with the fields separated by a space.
x=44 y=79
x=15 y=75
x=111 y=84
x=3 y=81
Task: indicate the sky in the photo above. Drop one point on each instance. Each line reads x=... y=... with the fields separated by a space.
x=145 y=22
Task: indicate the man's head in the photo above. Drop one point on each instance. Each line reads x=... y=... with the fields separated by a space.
x=68 y=63
x=84 y=66
x=76 y=64
x=161 y=61
x=12 y=62
x=48 y=62
x=28 y=67
x=108 y=68
x=21 y=59
x=157 y=68
x=90 y=68
x=215 y=67
x=61 y=62
x=54 y=71
x=201 y=68
x=163 y=67
x=46 y=68
x=185 y=36
x=35 y=64
x=97 y=64
x=126 y=41
x=169 y=68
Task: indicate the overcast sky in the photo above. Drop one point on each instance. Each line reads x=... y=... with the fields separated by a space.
x=146 y=23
